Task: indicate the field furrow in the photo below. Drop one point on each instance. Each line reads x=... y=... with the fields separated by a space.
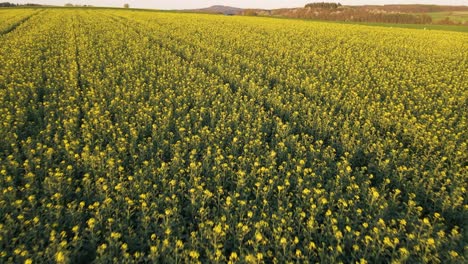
x=11 y=20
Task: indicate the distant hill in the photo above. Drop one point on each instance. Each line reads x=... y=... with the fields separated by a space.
x=218 y=9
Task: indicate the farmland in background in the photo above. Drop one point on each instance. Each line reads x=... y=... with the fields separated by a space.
x=133 y=136
x=442 y=27
x=391 y=14
x=456 y=16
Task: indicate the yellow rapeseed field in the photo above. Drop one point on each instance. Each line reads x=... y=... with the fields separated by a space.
x=137 y=136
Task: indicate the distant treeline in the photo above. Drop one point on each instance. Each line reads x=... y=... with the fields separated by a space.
x=72 y=5
x=361 y=15
x=399 y=14
x=7 y=4
x=345 y=14
x=323 y=5
x=355 y=14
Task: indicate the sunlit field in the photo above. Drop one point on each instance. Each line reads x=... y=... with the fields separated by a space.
x=133 y=137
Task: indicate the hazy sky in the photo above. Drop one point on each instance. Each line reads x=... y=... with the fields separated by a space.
x=180 y=4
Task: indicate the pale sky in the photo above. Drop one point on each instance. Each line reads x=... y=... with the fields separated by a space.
x=186 y=4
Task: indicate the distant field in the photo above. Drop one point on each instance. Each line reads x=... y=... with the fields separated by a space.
x=454 y=28
x=159 y=137
x=415 y=26
x=457 y=16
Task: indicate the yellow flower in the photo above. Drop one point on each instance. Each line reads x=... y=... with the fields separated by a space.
x=431 y=242
x=387 y=242
x=339 y=235
x=103 y=247
x=153 y=249
x=348 y=169
x=250 y=259
x=403 y=222
x=115 y=235
x=179 y=244
x=323 y=200
x=60 y=257
x=312 y=245
x=91 y=223
x=194 y=254
x=233 y=256
x=368 y=239
x=124 y=246
x=381 y=222
x=218 y=229
x=258 y=237
x=375 y=193
x=339 y=249
x=404 y=251
x=426 y=221
x=283 y=241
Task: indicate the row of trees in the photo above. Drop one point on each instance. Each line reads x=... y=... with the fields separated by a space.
x=8 y=4
x=347 y=14
x=323 y=5
x=402 y=14
x=72 y=5
x=365 y=16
